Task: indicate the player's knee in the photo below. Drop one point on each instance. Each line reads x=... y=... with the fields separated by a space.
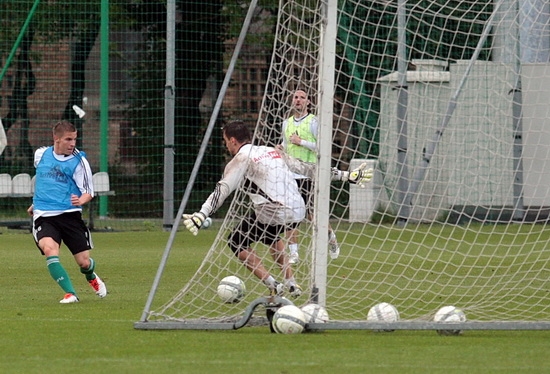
x=234 y=244
x=235 y=249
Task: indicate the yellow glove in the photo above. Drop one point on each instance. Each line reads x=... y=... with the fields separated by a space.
x=193 y=222
x=360 y=176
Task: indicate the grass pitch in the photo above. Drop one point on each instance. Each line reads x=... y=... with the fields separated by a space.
x=39 y=335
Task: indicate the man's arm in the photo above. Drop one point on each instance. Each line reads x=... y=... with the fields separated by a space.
x=358 y=176
x=233 y=175
x=314 y=129
x=297 y=166
x=284 y=140
x=85 y=198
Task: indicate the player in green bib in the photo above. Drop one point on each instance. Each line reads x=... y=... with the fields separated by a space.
x=300 y=141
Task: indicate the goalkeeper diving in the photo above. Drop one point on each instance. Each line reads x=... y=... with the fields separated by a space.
x=267 y=176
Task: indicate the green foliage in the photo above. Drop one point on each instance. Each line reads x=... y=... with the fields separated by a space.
x=199 y=40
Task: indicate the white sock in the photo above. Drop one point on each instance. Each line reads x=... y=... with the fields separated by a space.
x=290 y=282
x=269 y=281
x=293 y=248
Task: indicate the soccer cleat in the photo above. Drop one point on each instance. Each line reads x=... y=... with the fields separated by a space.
x=277 y=290
x=294 y=258
x=295 y=290
x=98 y=286
x=334 y=248
x=69 y=298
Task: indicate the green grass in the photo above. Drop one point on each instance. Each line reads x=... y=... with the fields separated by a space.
x=39 y=335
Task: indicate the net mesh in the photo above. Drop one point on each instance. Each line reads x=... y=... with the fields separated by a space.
x=456 y=213
x=446 y=100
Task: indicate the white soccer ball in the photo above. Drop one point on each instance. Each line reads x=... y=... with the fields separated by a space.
x=315 y=313
x=207 y=223
x=231 y=289
x=289 y=319
x=383 y=312
x=448 y=314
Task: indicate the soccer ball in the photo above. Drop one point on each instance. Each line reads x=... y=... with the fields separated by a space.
x=289 y=319
x=207 y=223
x=231 y=289
x=449 y=314
x=315 y=313
x=383 y=312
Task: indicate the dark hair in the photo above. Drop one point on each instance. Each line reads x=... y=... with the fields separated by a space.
x=237 y=130
x=62 y=127
x=303 y=90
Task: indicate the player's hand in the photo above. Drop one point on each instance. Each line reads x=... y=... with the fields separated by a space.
x=295 y=139
x=360 y=176
x=75 y=200
x=193 y=222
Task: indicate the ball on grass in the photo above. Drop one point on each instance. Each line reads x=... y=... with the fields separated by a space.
x=231 y=289
x=289 y=319
x=449 y=314
x=315 y=313
x=383 y=312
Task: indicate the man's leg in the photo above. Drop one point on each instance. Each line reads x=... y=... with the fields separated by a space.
x=292 y=236
x=277 y=251
x=252 y=261
x=87 y=267
x=50 y=248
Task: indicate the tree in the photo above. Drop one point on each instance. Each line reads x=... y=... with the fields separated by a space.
x=51 y=23
x=199 y=57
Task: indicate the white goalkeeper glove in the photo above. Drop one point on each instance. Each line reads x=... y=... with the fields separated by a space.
x=358 y=176
x=193 y=222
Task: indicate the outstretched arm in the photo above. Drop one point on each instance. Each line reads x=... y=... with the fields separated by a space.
x=359 y=176
x=233 y=175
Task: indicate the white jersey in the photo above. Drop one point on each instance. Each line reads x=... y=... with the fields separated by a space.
x=267 y=180
x=3 y=138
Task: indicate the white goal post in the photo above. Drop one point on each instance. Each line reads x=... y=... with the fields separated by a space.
x=448 y=101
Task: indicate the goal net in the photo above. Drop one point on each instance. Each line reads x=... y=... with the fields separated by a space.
x=448 y=102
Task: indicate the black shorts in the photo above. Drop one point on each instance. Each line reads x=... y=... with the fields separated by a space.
x=250 y=230
x=68 y=228
x=305 y=185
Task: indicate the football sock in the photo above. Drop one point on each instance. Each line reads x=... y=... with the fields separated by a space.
x=293 y=248
x=58 y=273
x=269 y=281
x=290 y=282
x=89 y=273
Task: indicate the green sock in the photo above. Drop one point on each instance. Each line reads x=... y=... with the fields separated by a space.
x=58 y=273
x=89 y=273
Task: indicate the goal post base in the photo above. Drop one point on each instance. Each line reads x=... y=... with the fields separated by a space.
x=419 y=325
x=270 y=303
x=373 y=326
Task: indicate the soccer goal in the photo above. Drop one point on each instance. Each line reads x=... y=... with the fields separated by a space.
x=448 y=101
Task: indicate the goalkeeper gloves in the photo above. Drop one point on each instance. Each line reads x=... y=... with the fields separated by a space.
x=358 y=176
x=193 y=222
